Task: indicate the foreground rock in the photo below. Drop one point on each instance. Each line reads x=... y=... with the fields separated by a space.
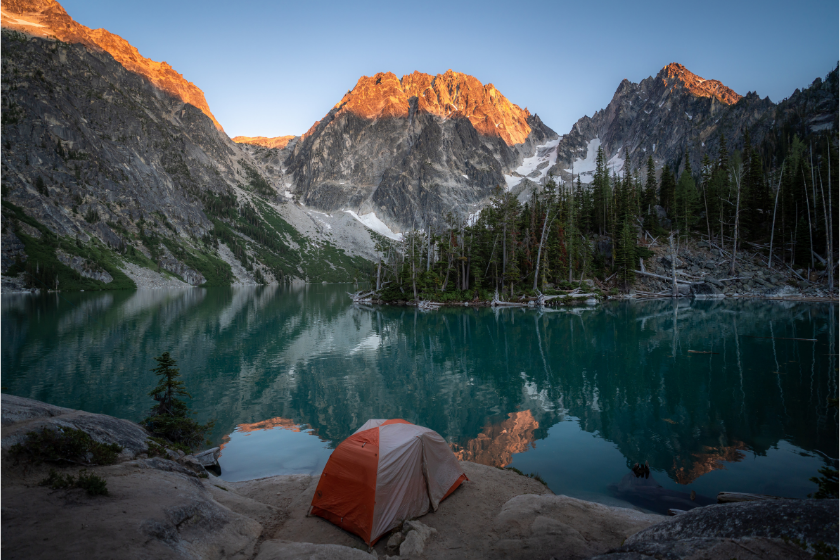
x=496 y=514
x=163 y=508
x=761 y=529
x=21 y=415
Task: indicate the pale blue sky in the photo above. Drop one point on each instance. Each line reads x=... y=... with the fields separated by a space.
x=274 y=68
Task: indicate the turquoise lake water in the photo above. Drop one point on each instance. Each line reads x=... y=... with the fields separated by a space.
x=713 y=394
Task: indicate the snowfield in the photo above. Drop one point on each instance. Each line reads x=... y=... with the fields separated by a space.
x=373 y=223
x=586 y=166
x=545 y=153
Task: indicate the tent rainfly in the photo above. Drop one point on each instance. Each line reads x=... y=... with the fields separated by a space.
x=386 y=472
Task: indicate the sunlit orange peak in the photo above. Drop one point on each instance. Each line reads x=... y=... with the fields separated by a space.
x=276 y=142
x=46 y=18
x=698 y=86
x=447 y=95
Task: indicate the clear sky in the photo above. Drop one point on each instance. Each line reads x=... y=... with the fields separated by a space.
x=271 y=68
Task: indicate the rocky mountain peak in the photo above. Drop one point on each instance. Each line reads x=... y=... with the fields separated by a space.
x=278 y=142
x=448 y=95
x=694 y=84
x=45 y=18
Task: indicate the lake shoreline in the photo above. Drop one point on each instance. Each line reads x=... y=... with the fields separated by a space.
x=165 y=508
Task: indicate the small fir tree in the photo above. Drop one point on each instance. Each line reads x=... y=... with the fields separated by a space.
x=169 y=418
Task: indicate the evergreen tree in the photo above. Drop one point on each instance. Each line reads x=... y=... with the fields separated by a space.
x=600 y=194
x=687 y=201
x=169 y=418
x=667 y=191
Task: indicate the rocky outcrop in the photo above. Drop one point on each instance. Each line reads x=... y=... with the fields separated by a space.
x=278 y=142
x=562 y=527
x=676 y=74
x=410 y=150
x=45 y=18
x=13 y=250
x=764 y=529
x=173 y=265
x=161 y=508
x=84 y=267
x=94 y=149
x=451 y=95
x=677 y=116
x=21 y=415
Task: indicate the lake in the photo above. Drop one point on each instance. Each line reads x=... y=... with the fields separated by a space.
x=715 y=395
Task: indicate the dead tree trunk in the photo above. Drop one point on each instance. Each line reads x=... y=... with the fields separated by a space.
x=737 y=215
x=830 y=227
x=808 y=211
x=775 y=206
x=539 y=249
x=674 y=290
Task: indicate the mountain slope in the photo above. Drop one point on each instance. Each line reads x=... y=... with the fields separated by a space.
x=676 y=117
x=410 y=150
x=46 y=18
x=104 y=172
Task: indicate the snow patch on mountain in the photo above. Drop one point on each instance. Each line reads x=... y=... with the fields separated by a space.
x=373 y=223
x=585 y=167
x=616 y=164
x=533 y=167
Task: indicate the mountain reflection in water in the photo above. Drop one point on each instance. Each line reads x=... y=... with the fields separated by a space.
x=578 y=396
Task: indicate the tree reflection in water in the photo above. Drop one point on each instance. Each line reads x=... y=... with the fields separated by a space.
x=495 y=383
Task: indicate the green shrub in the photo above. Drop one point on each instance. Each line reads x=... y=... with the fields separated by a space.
x=94 y=485
x=535 y=476
x=64 y=445
x=158 y=446
x=826 y=484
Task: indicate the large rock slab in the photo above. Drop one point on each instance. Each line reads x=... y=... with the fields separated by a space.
x=84 y=267
x=21 y=415
x=767 y=529
x=563 y=527
x=288 y=550
x=154 y=510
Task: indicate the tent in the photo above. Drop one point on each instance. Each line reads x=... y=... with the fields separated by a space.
x=386 y=472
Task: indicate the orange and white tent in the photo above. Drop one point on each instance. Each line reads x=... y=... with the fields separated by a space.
x=386 y=472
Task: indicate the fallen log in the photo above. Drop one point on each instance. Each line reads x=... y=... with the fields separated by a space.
x=819 y=258
x=661 y=277
x=781 y=338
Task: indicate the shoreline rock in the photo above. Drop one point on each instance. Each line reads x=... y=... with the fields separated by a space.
x=160 y=508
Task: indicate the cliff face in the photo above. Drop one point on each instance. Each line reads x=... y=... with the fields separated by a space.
x=45 y=18
x=449 y=95
x=412 y=149
x=677 y=75
x=678 y=116
x=135 y=179
x=674 y=113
